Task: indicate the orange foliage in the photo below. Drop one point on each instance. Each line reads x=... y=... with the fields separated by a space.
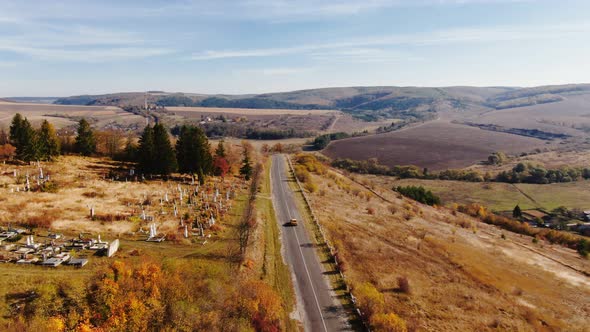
x=7 y=151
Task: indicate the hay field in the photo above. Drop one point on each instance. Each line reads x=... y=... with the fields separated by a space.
x=435 y=145
x=65 y=115
x=463 y=274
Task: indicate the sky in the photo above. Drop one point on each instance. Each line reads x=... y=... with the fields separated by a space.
x=71 y=47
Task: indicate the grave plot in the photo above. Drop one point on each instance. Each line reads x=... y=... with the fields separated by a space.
x=97 y=196
x=52 y=249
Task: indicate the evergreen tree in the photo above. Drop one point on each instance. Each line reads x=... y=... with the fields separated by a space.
x=193 y=151
x=517 y=212
x=165 y=162
x=30 y=142
x=220 y=151
x=146 y=151
x=246 y=169
x=85 y=141
x=49 y=146
x=23 y=138
x=201 y=176
x=16 y=134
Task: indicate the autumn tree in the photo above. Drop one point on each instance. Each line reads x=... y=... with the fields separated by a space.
x=49 y=146
x=7 y=151
x=109 y=142
x=85 y=141
x=4 y=138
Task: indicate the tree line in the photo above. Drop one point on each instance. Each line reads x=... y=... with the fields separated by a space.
x=190 y=155
x=521 y=173
x=41 y=144
x=155 y=154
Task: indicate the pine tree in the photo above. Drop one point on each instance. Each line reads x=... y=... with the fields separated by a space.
x=85 y=141
x=517 y=212
x=23 y=138
x=246 y=169
x=165 y=163
x=49 y=146
x=193 y=151
x=30 y=142
x=220 y=151
x=146 y=151
x=16 y=134
x=201 y=176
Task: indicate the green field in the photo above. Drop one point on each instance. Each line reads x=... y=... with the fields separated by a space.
x=503 y=196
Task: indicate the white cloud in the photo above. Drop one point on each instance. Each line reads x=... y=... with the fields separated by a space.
x=86 y=55
x=375 y=48
x=279 y=71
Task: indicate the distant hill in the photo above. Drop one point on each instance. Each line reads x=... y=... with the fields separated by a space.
x=368 y=103
x=33 y=100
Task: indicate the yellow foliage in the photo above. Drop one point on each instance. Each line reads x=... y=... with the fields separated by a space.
x=388 y=323
x=370 y=300
x=56 y=324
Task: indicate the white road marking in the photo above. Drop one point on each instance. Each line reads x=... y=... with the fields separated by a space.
x=301 y=253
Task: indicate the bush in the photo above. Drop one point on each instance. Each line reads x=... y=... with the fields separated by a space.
x=583 y=247
x=403 y=284
x=370 y=300
x=388 y=323
x=49 y=187
x=310 y=187
x=418 y=193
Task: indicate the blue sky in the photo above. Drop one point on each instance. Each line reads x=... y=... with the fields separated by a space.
x=67 y=47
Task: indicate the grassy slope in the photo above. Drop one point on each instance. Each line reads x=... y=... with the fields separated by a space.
x=501 y=196
x=461 y=278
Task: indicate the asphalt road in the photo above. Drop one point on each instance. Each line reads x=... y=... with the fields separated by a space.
x=318 y=308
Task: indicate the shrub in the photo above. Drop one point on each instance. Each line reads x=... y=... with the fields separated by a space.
x=49 y=187
x=583 y=247
x=392 y=209
x=370 y=210
x=370 y=300
x=418 y=193
x=311 y=187
x=403 y=284
x=388 y=323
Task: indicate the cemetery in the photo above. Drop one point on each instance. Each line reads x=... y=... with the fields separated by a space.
x=90 y=197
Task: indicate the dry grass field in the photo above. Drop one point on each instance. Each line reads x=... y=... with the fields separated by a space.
x=463 y=275
x=436 y=145
x=62 y=116
x=500 y=196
